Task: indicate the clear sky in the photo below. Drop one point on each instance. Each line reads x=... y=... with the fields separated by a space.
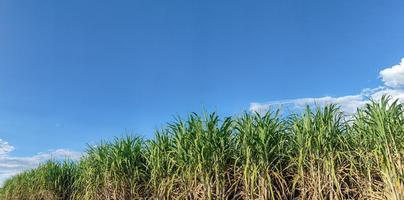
x=78 y=71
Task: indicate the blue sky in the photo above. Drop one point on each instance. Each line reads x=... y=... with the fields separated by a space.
x=75 y=72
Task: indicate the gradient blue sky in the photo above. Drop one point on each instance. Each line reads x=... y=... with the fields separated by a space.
x=78 y=71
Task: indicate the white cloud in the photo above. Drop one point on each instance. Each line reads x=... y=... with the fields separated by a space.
x=348 y=103
x=395 y=93
x=393 y=76
x=5 y=148
x=393 y=79
x=11 y=165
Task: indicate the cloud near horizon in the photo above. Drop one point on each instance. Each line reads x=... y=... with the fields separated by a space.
x=12 y=165
x=392 y=77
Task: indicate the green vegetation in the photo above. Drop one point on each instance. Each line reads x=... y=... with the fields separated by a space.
x=317 y=154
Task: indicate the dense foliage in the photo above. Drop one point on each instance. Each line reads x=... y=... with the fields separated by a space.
x=317 y=154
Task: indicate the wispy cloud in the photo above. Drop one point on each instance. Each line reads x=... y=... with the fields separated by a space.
x=393 y=78
x=5 y=148
x=11 y=165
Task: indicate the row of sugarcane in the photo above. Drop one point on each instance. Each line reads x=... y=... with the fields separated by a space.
x=320 y=153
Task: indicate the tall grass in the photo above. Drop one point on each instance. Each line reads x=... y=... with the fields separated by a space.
x=113 y=170
x=320 y=154
x=379 y=135
x=51 y=180
x=317 y=154
x=263 y=152
x=193 y=159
